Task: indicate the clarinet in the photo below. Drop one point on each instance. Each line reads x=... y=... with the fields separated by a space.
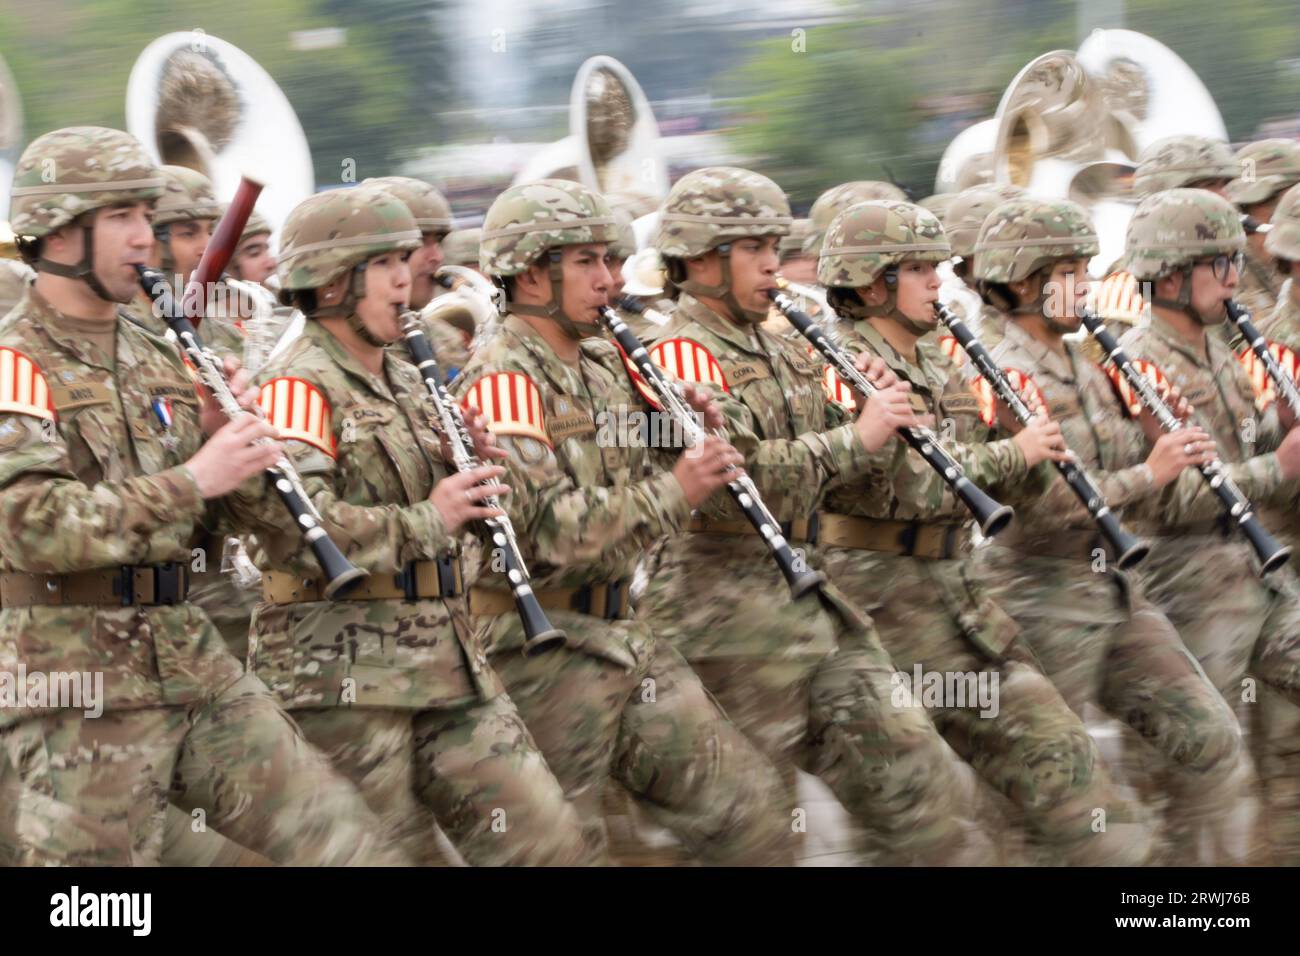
x=1283 y=382
x=340 y=573
x=1271 y=554
x=741 y=488
x=1129 y=550
x=990 y=516
x=539 y=634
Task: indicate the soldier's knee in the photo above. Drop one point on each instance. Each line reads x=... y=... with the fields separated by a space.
x=1055 y=770
x=1211 y=747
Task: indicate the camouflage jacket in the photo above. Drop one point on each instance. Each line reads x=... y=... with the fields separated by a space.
x=1283 y=326
x=916 y=492
x=91 y=477
x=796 y=444
x=587 y=495
x=1219 y=390
x=448 y=347
x=368 y=454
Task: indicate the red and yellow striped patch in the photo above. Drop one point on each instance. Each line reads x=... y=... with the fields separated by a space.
x=952 y=348
x=1126 y=393
x=638 y=381
x=837 y=390
x=23 y=389
x=511 y=403
x=1265 y=392
x=689 y=362
x=1023 y=385
x=300 y=411
x=1117 y=297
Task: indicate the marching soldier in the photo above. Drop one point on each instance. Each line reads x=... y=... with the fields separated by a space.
x=809 y=684
x=1187 y=244
x=460 y=248
x=588 y=498
x=838 y=198
x=1268 y=168
x=104 y=479
x=1097 y=638
x=387 y=680
x=966 y=214
x=898 y=547
x=433 y=217
x=1185 y=161
x=253 y=260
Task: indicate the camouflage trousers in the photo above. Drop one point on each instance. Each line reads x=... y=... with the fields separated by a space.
x=811 y=686
x=1245 y=632
x=475 y=770
x=1104 y=644
x=1028 y=745
x=96 y=791
x=227 y=602
x=617 y=702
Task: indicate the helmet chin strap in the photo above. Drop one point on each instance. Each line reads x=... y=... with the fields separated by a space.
x=83 y=270
x=1183 y=303
x=346 y=309
x=889 y=308
x=553 y=309
x=723 y=290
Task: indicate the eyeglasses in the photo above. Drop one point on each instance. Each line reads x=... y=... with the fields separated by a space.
x=1222 y=263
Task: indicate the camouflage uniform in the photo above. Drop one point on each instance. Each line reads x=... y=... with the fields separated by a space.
x=93 y=488
x=1178 y=161
x=1098 y=639
x=388 y=681
x=810 y=684
x=617 y=700
x=1268 y=167
x=1204 y=577
x=898 y=549
x=966 y=214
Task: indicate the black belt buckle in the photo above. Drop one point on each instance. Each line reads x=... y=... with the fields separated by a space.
x=581 y=601
x=814 y=527
x=446 y=577
x=405 y=579
x=124 y=586
x=950 y=541
x=168 y=583
x=907 y=539
x=615 y=594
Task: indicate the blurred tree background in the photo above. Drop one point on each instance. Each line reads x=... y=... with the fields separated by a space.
x=814 y=92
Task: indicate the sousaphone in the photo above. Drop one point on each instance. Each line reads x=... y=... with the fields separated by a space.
x=195 y=100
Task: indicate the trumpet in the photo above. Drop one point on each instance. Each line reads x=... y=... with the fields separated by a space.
x=1271 y=554
x=742 y=489
x=539 y=634
x=1128 y=549
x=991 y=516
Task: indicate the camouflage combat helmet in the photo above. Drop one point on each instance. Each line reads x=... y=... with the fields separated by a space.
x=460 y=247
x=430 y=208
x=69 y=172
x=872 y=239
x=1171 y=231
x=709 y=209
x=624 y=242
x=791 y=246
x=712 y=206
x=1283 y=240
x=967 y=212
x=187 y=194
x=534 y=219
x=256 y=226
x=1177 y=161
x=838 y=198
x=938 y=204
x=1266 y=168
x=335 y=232
x=1021 y=236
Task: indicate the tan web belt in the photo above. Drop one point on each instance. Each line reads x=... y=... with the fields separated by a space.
x=606 y=600
x=417 y=581
x=126 y=585
x=801 y=529
x=916 y=539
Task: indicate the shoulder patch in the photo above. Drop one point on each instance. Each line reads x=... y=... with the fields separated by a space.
x=511 y=403
x=23 y=389
x=300 y=411
x=689 y=361
x=837 y=390
x=1126 y=394
x=950 y=347
x=1024 y=386
x=1265 y=390
x=1117 y=297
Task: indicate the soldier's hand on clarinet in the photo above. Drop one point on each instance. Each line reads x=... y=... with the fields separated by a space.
x=1174 y=451
x=230 y=457
x=884 y=413
x=877 y=372
x=704 y=468
x=485 y=443
x=459 y=497
x=701 y=400
x=1041 y=440
x=1151 y=426
x=1288 y=455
